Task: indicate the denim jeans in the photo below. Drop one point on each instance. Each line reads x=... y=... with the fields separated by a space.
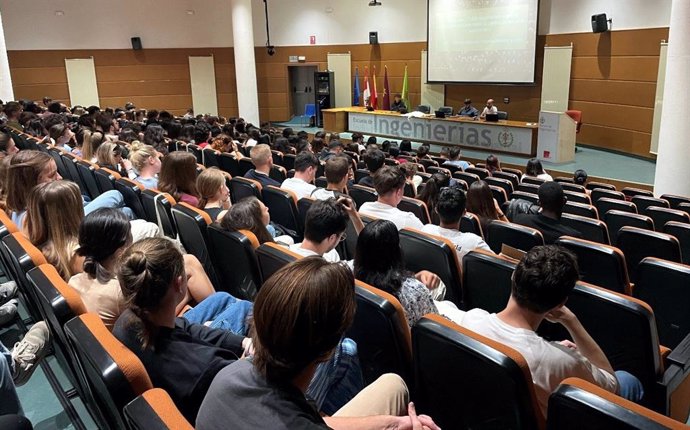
x=9 y=401
x=338 y=380
x=629 y=387
x=223 y=311
x=109 y=199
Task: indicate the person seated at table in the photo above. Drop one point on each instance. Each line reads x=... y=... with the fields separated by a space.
x=489 y=108
x=398 y=104
x=468 y=109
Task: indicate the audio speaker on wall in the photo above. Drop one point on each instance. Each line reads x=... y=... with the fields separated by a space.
x=373 y=38
x=136 y=43
x=599 y=23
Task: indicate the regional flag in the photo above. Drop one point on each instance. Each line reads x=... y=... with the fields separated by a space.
x=367 y=92
x=355 y=94
x=386 y=91
x=374 y=96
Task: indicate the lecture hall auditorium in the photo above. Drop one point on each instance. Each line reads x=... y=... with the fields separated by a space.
x=201 y=228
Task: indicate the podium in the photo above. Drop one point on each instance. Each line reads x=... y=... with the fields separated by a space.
x=556 y=137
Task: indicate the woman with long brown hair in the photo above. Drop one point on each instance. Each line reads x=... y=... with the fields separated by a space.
x=249 y=214
x=481 y=202
x=178 y=177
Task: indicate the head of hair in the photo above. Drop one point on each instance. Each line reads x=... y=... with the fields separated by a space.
x=533 y=167
x=146 y=272
x=96 y=140
x=480 y=200
x=386 y=146
x=305 y=160
x=107 y=153
x=551 y=197
x=422 y=151
x=357 y=137
x=140 y=154
x=261 y=155
x=4 y=141
x=374 y=159
x=544 y=278
x=178 y=174
x=454 y=153
x=104 y=121
x=405 y=145
x=394 y=151
x=53 y=215
x=128 y=135
x=201 y=132
x=580 y=177
x=56 y=131
x=336 y=169
x=12 y=109
x=300 y=315
x=409 y=169
x=154 y=135
x=287 y=132
x=246 y=215
x=371 y=140
x=102 y=233
x=317 y=144
x=324 y=218
x=23 y=174
x=378 y=256
x=388 y=179
x=451 y=205
x=208 y=183
x=492 y=164
x=432 y=188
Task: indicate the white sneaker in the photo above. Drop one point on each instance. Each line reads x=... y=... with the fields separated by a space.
x=8 y=291
x=8 y=312
x=28 y=352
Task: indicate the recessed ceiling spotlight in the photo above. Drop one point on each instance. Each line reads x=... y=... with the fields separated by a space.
x=190 y=12
x=59 y=13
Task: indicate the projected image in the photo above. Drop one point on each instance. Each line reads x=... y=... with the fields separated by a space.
x=489 y=41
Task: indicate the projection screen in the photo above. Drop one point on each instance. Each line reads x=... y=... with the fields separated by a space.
x=482 y=41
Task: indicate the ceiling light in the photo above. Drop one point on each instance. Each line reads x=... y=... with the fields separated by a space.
x=374 y=3
x=190 y=12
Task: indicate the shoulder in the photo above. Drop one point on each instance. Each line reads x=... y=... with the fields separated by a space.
x=431 y=229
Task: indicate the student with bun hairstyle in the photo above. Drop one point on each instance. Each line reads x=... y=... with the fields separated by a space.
x=145 y=163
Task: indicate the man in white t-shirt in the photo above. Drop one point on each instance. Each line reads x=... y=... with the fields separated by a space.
x=450 y=209
x=489 y=108
x=324 y=228
x=542 y=282
x=337 y=171
x=301 y=184
x=389 y=182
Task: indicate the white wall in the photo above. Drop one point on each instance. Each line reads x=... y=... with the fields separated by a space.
x=575 y=16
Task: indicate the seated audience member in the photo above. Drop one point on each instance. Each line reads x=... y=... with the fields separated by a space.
x=145 y=163
x=394 y=152
x=450 y=208
x=62 y=137
x=374 y=160
x=430 y=193
x=398 y=103
x=12 y=112
x=535 y=170
x=202 y=134
x=379 y=263
x=444 y=153
x=423 y=152
x=358 y=139
x=253 y=138
x=214 y=195
x=481 y=202
x=109 y=155
x=548 y=221
x=580 y=177
x=406 y=146
x=178 y=177
x=455 y=161
x=411 y=176
x=335 y=147
x=372 y=141
x=155 y=136
x=337 y=171
x=542 y=283
x=468 y=109
x=302 y=184
x=300 y=314
x=386 y=146
x=251 y=214
x=262 y=158
x=493 y=164
x=325 y=226
x=489 y=108
x=7 y=146
x=389 y=182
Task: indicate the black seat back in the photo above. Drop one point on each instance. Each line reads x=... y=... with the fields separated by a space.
x=505 y=184
x=234 y=257
x=515 y=235
x=244 y=165
x=530 y=197
x=644 y=202
x=60 y=163
x=681 y=231
x=598 y=193
x=486 y=280
x=192 y=227
x=470 y=223
x=86 y=171
x=637 y=244
x=512 y=177
x=606 y=204
x=600 y=185
x=583 y=210
x=282 y=205
x=631 y=192
x=106 y=179
x=674 y=200
x=482 y=173
x=361 y=194
x=272 y=257
x=131 y=194
x=228 y=163
x=417 y=207
x=599 y=264
x=70 y=163
x=158 y=209
x=663 y=215
x=241 y=188
x=616 y=219
x=155 y=410
x=590 y=228
x=469 y=178
x=576 y=197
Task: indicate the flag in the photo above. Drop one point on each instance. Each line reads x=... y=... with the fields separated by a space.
x=355 y=95
x=386 y=91
x=374 y=101
x=366 y=95
x=404 y=93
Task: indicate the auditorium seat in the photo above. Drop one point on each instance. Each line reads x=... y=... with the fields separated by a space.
x=70 y=163
x=157 y=208
x=234 y=257
x=362 y=194
x=643 y=202
x=228 y=163
x=630 y=192
x=663 y=215
x=591 y=229
x=131 y=194
x=512 y=177
x=277 y=157
x=55 y=153
x=210 y=157
x=665 y=286
x=196 y=150
x=155 y=410
x=458 y=183
x=289 y=161
x=278 y=173
x=282 y=205
x=105 y=178
x=244 y=164
x=192 y=226
x=598 y=193
x=516 y=172
x=599 y=264
x=532 y=180
x=22 y=256
x=361 y=174
x=241 y=188
x=606 y=204
x=499 y=194
x=390 y=162
x=470 y=223
x=680 y=231
x=426 y=162
x=114 y=375
x=637 y=244
x=382 y=334
x=303 y=205
x=685 y=207
x=443 y=170
x=417 y=207
x=587 y=211
x=465 y=380
x=515 y=235
x=576 y=188
x=675 y=200
x=528 y=187
x=616 y=219
x=321 y=182
x=594 y=185
x=469 y=178
x=272 y=257
x=577 y=404
x=481 y=172
x=577 y=197
x=86 y=171
x=486 y=280
x=530 y=197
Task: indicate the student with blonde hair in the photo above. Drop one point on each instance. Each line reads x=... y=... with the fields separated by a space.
x=146 y=164
x=262 y=158
x=214 y=195
x=109 y=155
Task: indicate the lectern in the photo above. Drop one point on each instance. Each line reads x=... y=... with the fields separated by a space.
x=556 y=137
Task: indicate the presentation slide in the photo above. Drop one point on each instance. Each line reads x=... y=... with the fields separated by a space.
x=482 y=41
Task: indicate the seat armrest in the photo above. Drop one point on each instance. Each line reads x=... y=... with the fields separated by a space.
x=680 y=356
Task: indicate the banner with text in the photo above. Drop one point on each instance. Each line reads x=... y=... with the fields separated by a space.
x=481 y=135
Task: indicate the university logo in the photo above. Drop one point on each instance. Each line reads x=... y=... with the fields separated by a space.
x=505 y=138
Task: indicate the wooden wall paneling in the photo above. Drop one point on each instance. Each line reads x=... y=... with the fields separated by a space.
x=616 y=92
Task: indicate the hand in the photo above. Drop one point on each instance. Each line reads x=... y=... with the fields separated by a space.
x=416 y=422
x=248 y=346
x=568 y=344
x=126 y=164
x=431 y=280
x=562 y=315
x=348 y=204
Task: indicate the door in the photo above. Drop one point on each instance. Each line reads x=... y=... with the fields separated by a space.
x=301 y=88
